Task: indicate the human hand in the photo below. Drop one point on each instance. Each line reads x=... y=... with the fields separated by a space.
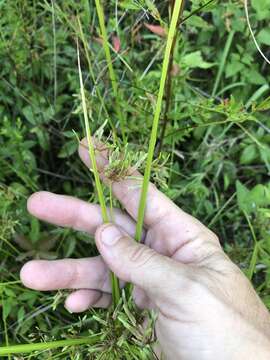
x=207 y=309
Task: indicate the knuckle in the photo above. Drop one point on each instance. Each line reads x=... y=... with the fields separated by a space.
x=208 y=241
x=153 y=187
x=208 y=234
x=129 y=198
x=73 y=277
x=213 y=237
x=142 y=255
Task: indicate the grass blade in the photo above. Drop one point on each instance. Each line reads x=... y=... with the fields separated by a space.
x=223 y=61
x=254 y=258
x=28 y=348
x=258 y=93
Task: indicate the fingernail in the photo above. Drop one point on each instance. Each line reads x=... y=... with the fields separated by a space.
x=110 y=235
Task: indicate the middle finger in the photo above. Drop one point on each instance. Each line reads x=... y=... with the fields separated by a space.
x=88 y=273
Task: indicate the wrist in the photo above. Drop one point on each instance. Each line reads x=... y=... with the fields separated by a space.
x=252 y=344
x=258 y=349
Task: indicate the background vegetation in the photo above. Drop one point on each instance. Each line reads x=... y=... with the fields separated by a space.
x=213 y=152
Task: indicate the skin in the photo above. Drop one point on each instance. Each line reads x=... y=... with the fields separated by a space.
x=207 y=308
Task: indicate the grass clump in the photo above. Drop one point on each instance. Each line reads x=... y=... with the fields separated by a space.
x=120 y=333
x=125 y=333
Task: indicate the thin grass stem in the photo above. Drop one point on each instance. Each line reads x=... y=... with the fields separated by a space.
x=153 y=138
x=169 y=85
x=91 y=71
x=253 y=262
x=54 y=52
x=112 y=74
x=91 y=149
x=223 y=62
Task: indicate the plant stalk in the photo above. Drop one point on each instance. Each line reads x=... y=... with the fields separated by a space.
x=153 y=137
x=168 y=90
x=92 y=156
x=223 y=62
x=91 y=71
x=28 y=348
x=112 y=74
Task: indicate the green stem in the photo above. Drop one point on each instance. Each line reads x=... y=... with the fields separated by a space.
x=223 y=61
x=168 y=86
x=92 y=156
x=101 y=19
x=153 y=138
x=255 y=253
x=91 y=71
x=28 y=348
x=5 y=325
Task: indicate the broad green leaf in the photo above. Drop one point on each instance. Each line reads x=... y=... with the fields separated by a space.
x=249 y=154
x=264 y=36
x=254 y=77
x=242 y=197
x=29 y=115
x=196 y=21
x=262 y=8
x=7 y=309
x=260 y=196
x=69 y=246
x=234 y=66
x=251 y=200
x=21 y=314
x=68 y=149
x=42 y=136
x=195 y=60
x=265 y=156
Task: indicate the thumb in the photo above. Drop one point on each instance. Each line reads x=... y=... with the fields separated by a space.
x=137 y=263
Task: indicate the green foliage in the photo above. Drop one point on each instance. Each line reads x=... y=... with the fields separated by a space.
x=215 y=149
